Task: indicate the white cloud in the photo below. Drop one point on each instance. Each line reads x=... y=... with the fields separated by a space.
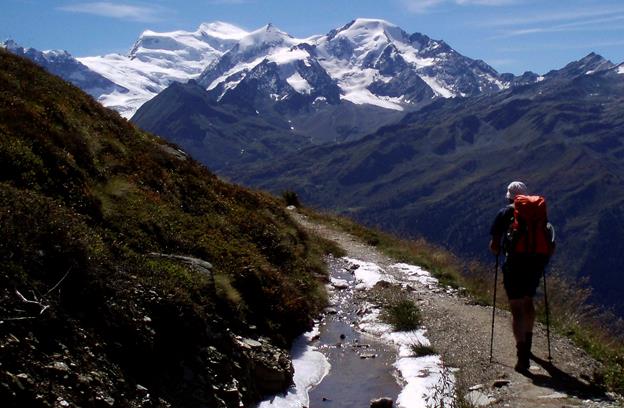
x=227 y=2
x=118 y=11
x=555 y=16
x=422 y=6
x=591 y=24
x=486 y=2
x=590 y=45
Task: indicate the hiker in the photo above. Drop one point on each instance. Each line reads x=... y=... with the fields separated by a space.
x=524 y=264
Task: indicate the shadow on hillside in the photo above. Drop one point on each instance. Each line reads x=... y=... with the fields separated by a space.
x=561 y=381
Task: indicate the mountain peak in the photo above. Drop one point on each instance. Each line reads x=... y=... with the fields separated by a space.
x=593 y=58
x=367 y=28
x=589 y=64
x=222 y=30
x=372 y=22
x=10 y=45
x=268 y=35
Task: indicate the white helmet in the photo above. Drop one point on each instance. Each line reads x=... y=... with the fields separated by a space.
x=516 y=188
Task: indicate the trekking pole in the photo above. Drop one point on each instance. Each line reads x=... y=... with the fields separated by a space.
x=547 y=317
x=493 y=308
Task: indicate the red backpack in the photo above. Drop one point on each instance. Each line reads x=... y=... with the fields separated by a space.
x=529 y=233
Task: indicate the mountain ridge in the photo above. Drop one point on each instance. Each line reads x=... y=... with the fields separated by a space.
x=560 y=135
x=157 y=59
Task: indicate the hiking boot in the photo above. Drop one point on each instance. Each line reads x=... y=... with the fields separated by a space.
x=523 y=353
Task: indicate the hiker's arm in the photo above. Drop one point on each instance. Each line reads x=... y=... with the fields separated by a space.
x=495 y=245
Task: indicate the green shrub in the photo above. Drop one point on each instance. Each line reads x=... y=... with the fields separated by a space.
x=402 y=315
x=420 y=350
x=291 y=198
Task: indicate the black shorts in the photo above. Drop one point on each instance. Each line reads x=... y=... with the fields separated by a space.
x=522 y=273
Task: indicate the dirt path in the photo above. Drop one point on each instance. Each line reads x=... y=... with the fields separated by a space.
x=460 y=332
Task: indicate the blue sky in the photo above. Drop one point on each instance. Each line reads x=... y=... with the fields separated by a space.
x=511 y=35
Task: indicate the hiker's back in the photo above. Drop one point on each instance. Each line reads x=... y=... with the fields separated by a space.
x=530 y=233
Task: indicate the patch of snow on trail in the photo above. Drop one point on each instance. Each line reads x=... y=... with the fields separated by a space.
x=310 y=366
x=367 y=274
x=416 y=273
x=425 y=377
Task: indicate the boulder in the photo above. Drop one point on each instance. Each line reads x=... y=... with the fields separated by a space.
x=384 y=402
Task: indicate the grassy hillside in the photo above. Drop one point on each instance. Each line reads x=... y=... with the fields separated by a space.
x=89 y=313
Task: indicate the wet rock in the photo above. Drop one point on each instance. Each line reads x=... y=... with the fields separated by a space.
x=84 y=379
x=362 y=311
x=272 y=369
x=502 y=382
x=15 y=381
x=231 y=396
x=58 y=367
x=331 y=310
x=554 y=395
x=141 y=389
x=477 y=398
x=252 y=343
x=382 y=284
x=104 y=401
x=367 y=355
x=60 y=402
x=384 y=402
x=353 y=267
x=339 y=284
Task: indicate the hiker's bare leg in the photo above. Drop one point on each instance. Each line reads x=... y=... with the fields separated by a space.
x=523 y=314
x=517 y=318
x=528 y=314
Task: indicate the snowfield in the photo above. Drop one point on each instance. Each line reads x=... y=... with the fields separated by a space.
x=158 y=59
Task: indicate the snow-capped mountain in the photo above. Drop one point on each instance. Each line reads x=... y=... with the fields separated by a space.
x=158 y=59
x=377 y=62
x=62 y=64
x=366 y=62
x=273 y=64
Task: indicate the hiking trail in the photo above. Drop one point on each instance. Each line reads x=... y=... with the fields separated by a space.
x=459 y=330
